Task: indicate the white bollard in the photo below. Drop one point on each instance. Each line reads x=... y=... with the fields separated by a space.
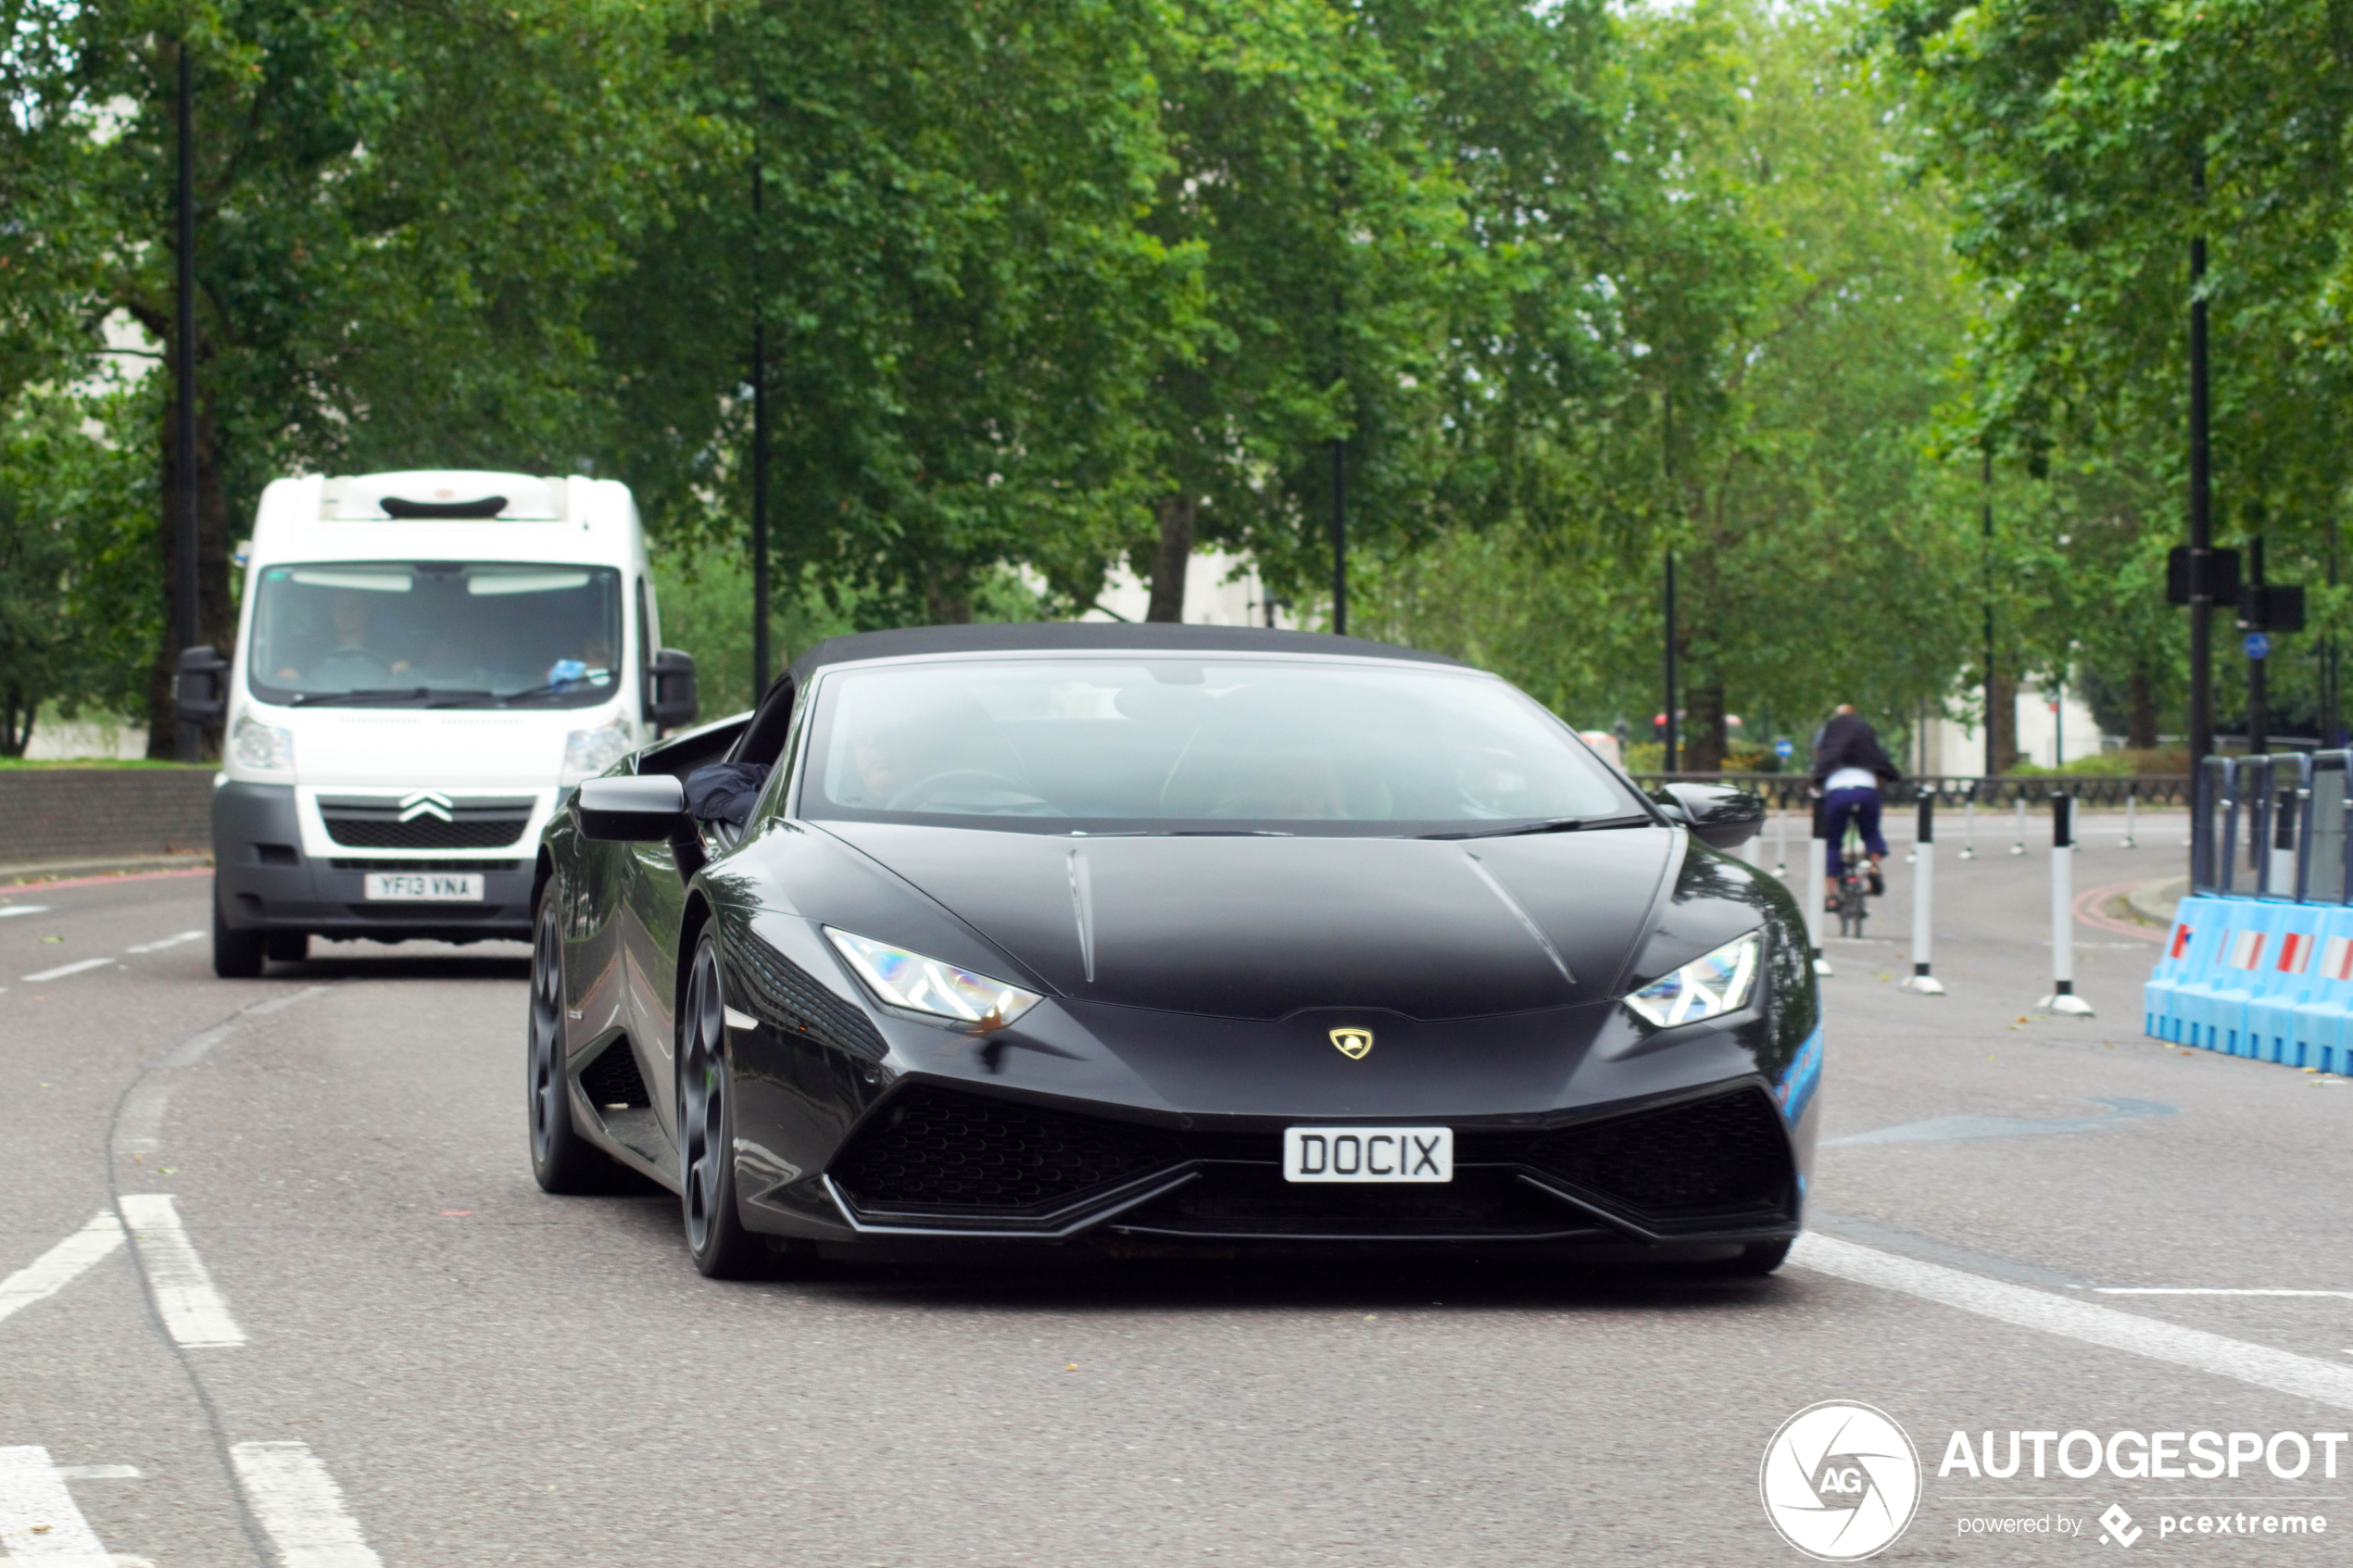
x=2132 y=799
x=2019 y=846
x=1781 y=844
x=1968 y=827
x=2063 y=999
x=1923 y=875
x=1818 y=871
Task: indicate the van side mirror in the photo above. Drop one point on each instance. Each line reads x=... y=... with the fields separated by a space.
x=634 y=810
x=1716 y=814
x=200 y=687
x=671 y=702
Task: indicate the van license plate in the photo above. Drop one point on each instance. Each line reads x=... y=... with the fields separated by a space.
x=426 y=887
x=1368 y=1154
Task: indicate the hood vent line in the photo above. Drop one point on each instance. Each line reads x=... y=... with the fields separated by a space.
x=1082 y=904
x=1535 y=932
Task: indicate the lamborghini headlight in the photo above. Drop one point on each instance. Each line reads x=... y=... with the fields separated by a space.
x=1718 y=983
x=926 y=985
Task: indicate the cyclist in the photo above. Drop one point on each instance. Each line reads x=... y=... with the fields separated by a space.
x=1849 y=767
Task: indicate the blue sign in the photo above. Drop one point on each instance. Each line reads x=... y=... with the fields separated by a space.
x=1784 y=749
x=2257 y=646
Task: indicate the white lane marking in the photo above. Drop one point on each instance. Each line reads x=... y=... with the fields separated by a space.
x=2304 y=1377
x=2200 y=1290
x=274 y=1003
x=62 y=1265
x=141 y=1129
x=99 y=1471
x=64 y=968
x=167 y=942
x=192 y=1310
x=189 y=1051
x=23 y=909
x=39 y=1522
x=300 y=1507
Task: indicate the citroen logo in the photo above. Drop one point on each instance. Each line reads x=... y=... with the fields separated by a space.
x=424 y=803
x=1353 y=1043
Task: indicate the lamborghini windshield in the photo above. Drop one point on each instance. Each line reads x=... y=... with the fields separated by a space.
x=1206 y=745
x=442 y=634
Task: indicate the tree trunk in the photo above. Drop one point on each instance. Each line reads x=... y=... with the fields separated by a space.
x=2004 y=719
x=1704 y=751
x=1177 y=516
x=947 y=600
x=16 y=712
x=215 y=611
x=2140 y=722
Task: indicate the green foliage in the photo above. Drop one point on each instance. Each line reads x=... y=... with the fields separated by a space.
x=77 y=551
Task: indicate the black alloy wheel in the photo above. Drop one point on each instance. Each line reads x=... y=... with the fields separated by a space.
x=561 y=1160
x=236 y=955
x=722 y=1248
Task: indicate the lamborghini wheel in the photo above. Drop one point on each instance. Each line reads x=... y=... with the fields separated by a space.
x=722 y=1248
x=560 y=1158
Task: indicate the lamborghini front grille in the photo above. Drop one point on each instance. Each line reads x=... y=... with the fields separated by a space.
x=1723 y=1155
x=933 y=1151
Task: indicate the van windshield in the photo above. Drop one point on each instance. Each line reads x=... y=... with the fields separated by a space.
x=440 y=634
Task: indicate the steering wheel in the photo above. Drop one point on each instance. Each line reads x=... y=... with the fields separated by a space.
x=349 y=655
x=922 y=792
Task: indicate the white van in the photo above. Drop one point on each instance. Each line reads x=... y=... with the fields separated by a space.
x=426 y=664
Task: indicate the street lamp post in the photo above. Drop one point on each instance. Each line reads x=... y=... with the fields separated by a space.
x=184 y=630
x=1668 y=758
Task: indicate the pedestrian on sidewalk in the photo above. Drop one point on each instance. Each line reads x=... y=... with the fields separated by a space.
x=1849 y=767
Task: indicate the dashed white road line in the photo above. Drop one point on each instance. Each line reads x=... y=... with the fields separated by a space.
x=274 y=1003
x=62 y=1265
x=189 y=1051
x=300 y=1507
x=64 y=968
x=193 y=1312
x=38 y=1521
x=5 y=911
x=2304 y=1377
x=2204 y=1290
x=166 y=942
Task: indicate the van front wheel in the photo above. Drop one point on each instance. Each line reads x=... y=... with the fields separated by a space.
x=236 y=955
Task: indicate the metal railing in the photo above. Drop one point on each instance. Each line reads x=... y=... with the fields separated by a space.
x=2273 y=827
x=1795 y=790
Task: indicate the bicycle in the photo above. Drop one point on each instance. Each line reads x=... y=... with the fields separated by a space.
x=1853 y=902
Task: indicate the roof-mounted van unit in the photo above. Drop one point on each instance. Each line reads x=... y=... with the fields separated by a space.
x=443 y=494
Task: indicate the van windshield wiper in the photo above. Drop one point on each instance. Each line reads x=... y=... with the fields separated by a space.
x=387 y=697
x=553 y=689
x=365 y=698
x=1552 y=825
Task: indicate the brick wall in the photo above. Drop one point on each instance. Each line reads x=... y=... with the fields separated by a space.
x=89 y=813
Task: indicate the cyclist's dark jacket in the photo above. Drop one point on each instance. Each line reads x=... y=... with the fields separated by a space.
x=1847 y=742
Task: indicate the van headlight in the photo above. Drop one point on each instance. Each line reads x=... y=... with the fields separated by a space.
x=926 y=985
x=1714 y=984
x=590 y=752
x=265 y=748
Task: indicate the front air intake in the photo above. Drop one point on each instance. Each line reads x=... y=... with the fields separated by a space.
x=931 y=1150
x=1725 y=1155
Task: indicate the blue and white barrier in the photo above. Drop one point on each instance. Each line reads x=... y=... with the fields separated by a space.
x=2259 y=963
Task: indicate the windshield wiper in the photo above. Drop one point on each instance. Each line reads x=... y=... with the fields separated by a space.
x=363 y=697
x=1554 y=825
x=553 y=689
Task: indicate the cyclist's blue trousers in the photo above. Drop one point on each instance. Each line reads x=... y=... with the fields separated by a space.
x=1863 y=806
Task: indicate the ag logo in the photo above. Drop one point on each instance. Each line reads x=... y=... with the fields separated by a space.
x=1839 y=1481
x=1353 y=1043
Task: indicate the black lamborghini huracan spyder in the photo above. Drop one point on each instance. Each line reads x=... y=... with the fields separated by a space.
x=1160 y=936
